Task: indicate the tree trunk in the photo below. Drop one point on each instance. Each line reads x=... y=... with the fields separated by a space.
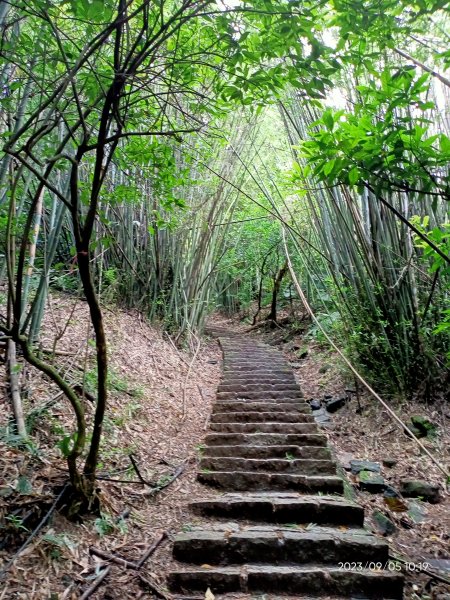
x=276 y=288
x=15 y=390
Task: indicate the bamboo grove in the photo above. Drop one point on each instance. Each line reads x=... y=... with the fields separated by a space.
x=151 y=152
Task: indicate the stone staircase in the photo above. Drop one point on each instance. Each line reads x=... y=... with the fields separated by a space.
x=281 y=525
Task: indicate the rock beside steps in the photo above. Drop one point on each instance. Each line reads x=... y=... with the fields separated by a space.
x=281 y=525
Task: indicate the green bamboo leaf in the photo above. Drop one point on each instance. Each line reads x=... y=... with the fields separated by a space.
x=444 y=142
x=24 y=485
x=328 y=119
x=329 y=166
x=353 y=176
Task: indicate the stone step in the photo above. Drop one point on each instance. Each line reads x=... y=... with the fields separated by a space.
x=305 y=452
x=271 y=427
x=266 y=596
x=250 y=349
x=261 y=395
x=255 y=354
x=246 y=357
x=248 y=480
x=256 y=369
x=265 y=439
x=251 y=353
x=267 y=360
x=230 y=377
x=267 y=370
x=271 y=406
x=282 y=379
x=267 y=363
x=274 y=544
x=257 y=387
x=318 y=580
x=281 y=508
x=278 y=465
x=261 y=417
x=282 y=525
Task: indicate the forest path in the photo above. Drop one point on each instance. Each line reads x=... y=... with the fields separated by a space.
x=282 y=525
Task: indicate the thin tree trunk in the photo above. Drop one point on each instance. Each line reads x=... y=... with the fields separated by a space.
x=276 y=289
x=15 y=390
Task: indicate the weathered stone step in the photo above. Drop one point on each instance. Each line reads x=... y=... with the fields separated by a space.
x=231 y=380
x=251 y=350
x=305 y=452
x=268 y=363
x=272 y=544
x=263 y=359
x=265 y=596
x=281 y=508
x=271 y=406
x=244 y=356
x=271 y=427
x=256 y=368
x=278 y=465
x=257 y=387
x=265 y=439
x=261 y=395
x=311 y=579
x=265 y=369
x=267 y=375
x=265 y=449
x=261 y=417
x=248 y=480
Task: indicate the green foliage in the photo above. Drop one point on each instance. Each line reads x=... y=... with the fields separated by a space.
x=116 y=384
x=66 y=443
x=16 y=522
x=107 y=525
x=379 y=143
x=440 y=235
x=374 y=163
x=57 y=543
x=24 y=485
x=330 y=322
x=9 y=437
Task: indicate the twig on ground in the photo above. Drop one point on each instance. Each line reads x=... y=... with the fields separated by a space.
x=155 y=589
x=154 y=489
x=186 y=379
x=268 y=323
x=152 y=549
x=180 y=356
x=49 y=403
x=164 y=461
x=35 y=531
x=136 y=468
x=91 y=589
x=123 y=515
x=389 y=431
x=208 y=416
x=123 y=562
x=101 y=478
x=56 y=352
x=177 y=473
